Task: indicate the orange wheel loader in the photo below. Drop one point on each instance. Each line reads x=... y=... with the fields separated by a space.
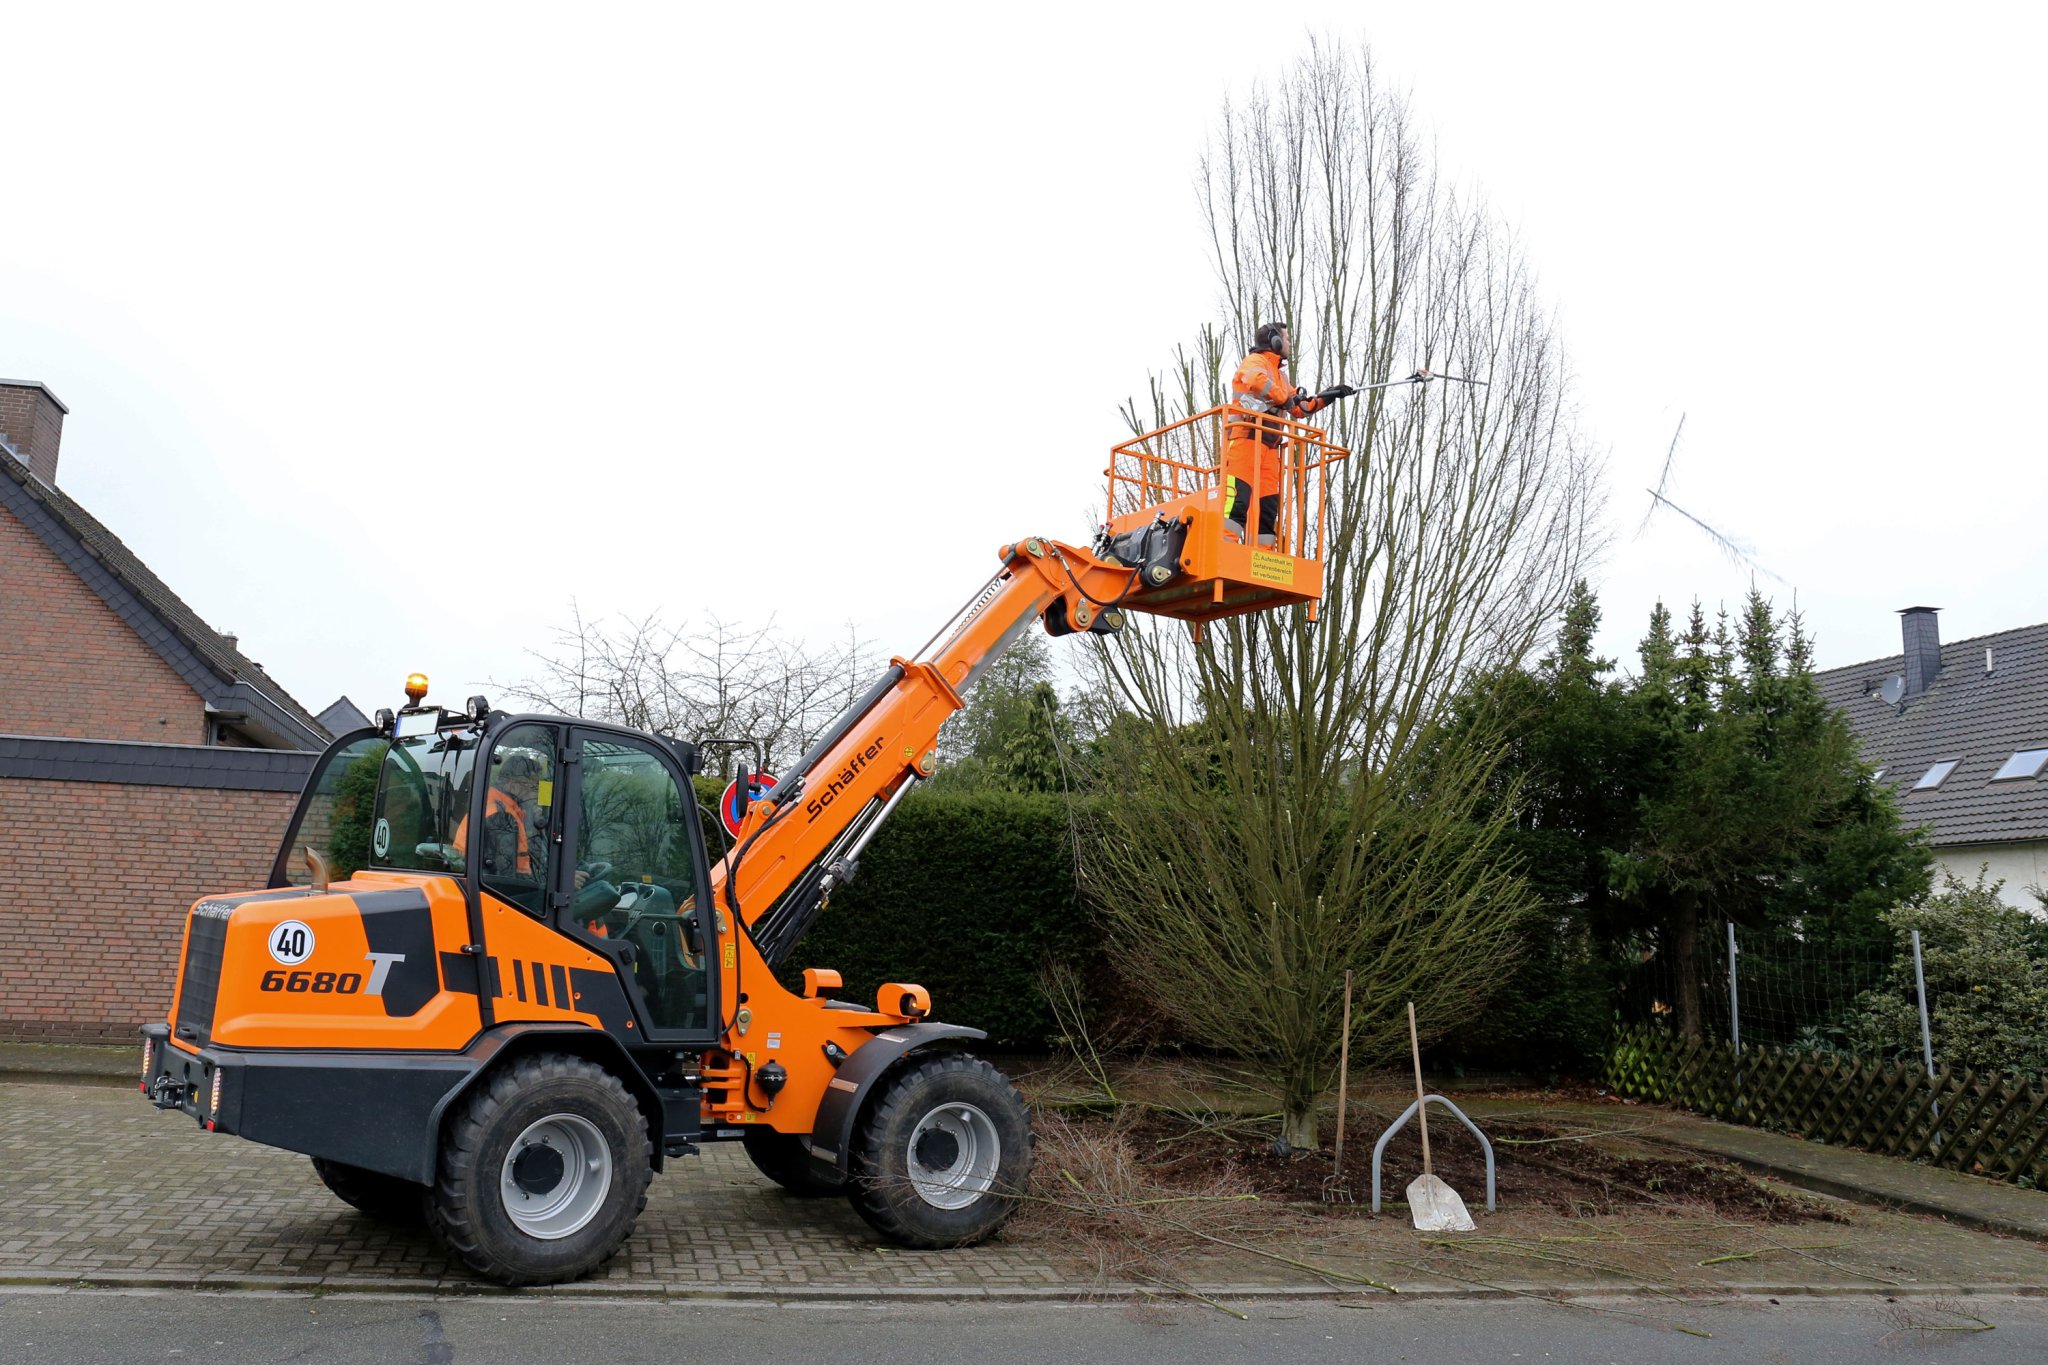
x=496 y=978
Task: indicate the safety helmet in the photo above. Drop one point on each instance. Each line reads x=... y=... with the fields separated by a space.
x=1271 y=336
x=517 y=764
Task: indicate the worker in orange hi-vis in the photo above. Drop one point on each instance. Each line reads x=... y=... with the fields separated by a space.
x=1251 y=450
x=514 y=789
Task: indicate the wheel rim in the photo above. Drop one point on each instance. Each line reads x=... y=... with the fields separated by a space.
x=954 y=1153
x=556 y=1176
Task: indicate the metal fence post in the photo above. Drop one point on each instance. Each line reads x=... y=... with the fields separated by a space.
x=1734 y=1010
x=1926 y=1034
x=1920 y=988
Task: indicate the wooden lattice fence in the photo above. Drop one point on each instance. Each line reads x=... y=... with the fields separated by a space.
x=1990 y=1123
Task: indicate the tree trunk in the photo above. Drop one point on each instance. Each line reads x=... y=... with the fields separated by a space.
x=1298 y=1126
x=1686 y=962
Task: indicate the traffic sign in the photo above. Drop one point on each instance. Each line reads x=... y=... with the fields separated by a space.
x=758 y=786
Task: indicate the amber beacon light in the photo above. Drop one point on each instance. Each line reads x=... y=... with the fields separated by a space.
x=416 y=688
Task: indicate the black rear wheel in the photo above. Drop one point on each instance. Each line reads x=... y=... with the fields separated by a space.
x=383 y=1197
x=785 y=1160
x=941 y=1153
x=542 y=1171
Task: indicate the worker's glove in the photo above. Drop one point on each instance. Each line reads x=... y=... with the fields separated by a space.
x=1334 y=392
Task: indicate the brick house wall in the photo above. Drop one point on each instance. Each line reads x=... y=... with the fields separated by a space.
x=98 y=881
x=71 y=666
x=144 y=760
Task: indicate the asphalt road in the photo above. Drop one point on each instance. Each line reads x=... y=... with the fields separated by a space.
x=58 y=1327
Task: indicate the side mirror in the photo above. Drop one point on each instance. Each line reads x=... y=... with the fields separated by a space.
x=742 y=792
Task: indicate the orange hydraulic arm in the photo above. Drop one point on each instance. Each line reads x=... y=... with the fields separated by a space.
x=803 y=840
x=1169 y=549
x=798 y=843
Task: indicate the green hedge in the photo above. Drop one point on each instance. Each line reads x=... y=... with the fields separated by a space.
x=968 y=895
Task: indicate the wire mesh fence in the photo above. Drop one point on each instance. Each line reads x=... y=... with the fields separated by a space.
x=1786 y=989
x=1802 y=1033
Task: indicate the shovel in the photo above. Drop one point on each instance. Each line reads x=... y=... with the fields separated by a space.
x=1435 y=1205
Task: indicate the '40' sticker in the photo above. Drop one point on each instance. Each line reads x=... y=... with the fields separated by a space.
x=291 y=942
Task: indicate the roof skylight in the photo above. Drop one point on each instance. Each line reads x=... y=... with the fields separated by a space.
x=1936 y=775
x=2025 y=763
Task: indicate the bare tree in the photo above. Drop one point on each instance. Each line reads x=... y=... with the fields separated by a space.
x=699 y=680
x=1291 y=802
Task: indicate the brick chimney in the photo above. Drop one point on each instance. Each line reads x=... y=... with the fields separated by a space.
x=1923 y=647
x=32 y=421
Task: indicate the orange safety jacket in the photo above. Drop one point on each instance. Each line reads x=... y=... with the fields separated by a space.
x=498 y=803
x=1262 y=386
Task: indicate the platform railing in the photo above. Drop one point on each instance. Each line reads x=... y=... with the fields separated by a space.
x=1185 y=459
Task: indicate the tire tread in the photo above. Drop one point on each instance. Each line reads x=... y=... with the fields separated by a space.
x=452 y=1209
x=385 y=1198
x=786 y=1161
x=869 y=1194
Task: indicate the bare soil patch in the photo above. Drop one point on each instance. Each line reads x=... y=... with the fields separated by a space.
x=1537 y=1166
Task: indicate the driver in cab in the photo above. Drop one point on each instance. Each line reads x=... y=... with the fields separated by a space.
x=515 y=821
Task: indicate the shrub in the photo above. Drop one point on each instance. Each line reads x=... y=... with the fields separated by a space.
x=1553 y=1016
x=1987 y=982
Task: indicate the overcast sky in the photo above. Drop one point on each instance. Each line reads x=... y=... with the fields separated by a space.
x=387 y=331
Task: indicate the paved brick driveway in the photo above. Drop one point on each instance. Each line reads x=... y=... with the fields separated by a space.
x=96 y=1184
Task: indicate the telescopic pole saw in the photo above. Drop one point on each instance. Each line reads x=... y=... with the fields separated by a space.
x=1421 y=377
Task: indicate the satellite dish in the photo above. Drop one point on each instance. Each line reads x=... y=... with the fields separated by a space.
x=1894 y=688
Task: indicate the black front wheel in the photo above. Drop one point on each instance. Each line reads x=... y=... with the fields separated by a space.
x=383 y=1197
x=542 y=1172
x=786 y=1160
x=941 y=1153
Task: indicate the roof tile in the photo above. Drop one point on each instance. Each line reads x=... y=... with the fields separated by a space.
x=1981 y=718
x=173 y=618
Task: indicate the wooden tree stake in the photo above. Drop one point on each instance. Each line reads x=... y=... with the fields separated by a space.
x=1343 y=1074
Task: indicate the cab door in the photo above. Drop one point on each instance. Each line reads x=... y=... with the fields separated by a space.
x=637 y=888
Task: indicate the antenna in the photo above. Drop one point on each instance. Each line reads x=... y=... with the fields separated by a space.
x=1728 y=545
x=1893 y=689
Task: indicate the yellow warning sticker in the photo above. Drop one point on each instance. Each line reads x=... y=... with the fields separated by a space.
x=547 y=793
x=730 y=956
x=1268 y=567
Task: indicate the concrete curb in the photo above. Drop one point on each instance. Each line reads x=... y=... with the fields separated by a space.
x=647 y=1291
x=1855 y=1194
x=123 y=1081
x=69 y=1063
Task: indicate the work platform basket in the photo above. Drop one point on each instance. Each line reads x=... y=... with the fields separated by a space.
x=1174 y=478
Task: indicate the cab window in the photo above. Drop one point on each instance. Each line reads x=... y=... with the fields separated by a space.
x=639 y=876
x=519 y=813
x=423 y=801
x=337 y=815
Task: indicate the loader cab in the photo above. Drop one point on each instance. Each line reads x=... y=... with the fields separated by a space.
x=587 y=829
